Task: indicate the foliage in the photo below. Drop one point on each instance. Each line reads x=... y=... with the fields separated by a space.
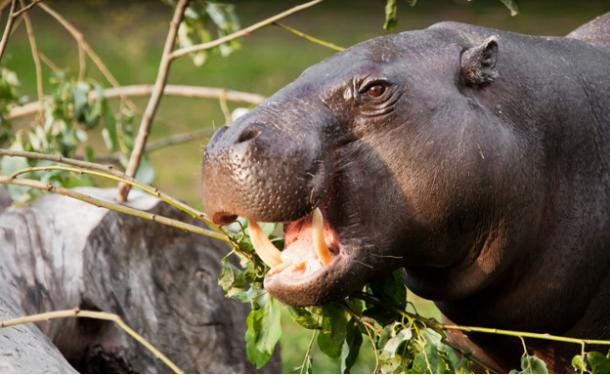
x=198 y=18
x=391 y=11
x=402 y=340
x=592 y=362
x=71 y=111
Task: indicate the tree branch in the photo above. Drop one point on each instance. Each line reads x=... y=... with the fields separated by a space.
x=532 y=335
x=7 y=29
x=100 y=315
x=45 y=59
x=178 y=139
x=243 y=32
x=49 y=187
x=145 y=90
x=84 y=46
x=155 y=98
x=35 y=55
x=107 y=171
x=310 y=38
x=26 y=8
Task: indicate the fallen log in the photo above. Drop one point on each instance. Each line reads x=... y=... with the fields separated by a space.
x=60 y=253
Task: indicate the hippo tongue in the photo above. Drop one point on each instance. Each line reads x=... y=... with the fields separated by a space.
x=306 y=245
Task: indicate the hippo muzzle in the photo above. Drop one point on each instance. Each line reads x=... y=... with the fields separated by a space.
x=275 y=164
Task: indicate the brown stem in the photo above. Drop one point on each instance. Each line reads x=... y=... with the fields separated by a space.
x=310 y=38
x=78 y=313
x=155 y=98
x=224 y=107
x=243 y=32
x=145 y=90
x=25 y=8
x=82 y=44
x=179 y=139
x=7 y=29
x=107 y=171
x=35 y=55
x=8 y=180
x=45 y=59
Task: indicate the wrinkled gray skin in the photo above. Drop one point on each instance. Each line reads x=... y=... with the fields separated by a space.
x=483 y=169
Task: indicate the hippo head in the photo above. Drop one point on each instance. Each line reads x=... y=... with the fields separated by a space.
x=380 y=157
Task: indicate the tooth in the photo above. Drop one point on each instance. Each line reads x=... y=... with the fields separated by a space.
x=280 y=267
x=317 y=223
x=263 y=246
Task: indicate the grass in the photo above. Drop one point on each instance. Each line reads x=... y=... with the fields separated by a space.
x=129 y=35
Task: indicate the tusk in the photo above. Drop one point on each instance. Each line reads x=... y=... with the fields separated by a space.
x=319 y=243
x=263 y=246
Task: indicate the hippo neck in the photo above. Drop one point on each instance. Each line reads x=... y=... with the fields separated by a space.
x=554 y=268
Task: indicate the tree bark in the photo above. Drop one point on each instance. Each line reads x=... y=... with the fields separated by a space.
x=60 y=253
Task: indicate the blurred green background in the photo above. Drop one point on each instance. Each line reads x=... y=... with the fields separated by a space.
x=129 y=37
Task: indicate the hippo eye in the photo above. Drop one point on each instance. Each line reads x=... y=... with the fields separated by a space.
x=375 y=91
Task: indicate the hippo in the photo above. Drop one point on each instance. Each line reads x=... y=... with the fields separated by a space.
x=477 y=160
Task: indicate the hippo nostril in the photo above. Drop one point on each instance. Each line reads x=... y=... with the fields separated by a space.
x=248 y=134
x=223 y=218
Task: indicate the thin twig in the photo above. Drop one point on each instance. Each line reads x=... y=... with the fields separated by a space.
x=47 y=61
x=131 y=182
x=82 y=43
x=25 y=8
x=224 y=107
x=108 y=171
x=35 y=56
x=145 y=90
x=179 y=139
x=307 y=356
x=159 y=144
x=7 y=29
x=100 y=315
x=7 y=180
x=243 y=32
x=521 y=334
x=155 y=98
x=172 y=140
x=16 y=25
x=310 y=38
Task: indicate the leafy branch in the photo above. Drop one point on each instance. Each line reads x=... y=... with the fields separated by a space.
x=187 y=91
x=166 y=59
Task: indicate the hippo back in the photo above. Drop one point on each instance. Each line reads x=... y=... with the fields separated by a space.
x=596 y=32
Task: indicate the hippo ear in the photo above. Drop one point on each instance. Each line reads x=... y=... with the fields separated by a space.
x=478 y=63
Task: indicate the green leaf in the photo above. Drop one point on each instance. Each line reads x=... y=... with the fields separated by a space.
x=230 y=277
x=598 y=363
x=391 y=347
x=263 y=330
x=411 y=2
x=579 y=364
x=351 y=347
x=109 y=133
x=391 y=10
x=512 y=6
x=530 y=364
x=9 y=165
x=390 y=289
x=307 y=317
x=89 y=154
x=334 y=329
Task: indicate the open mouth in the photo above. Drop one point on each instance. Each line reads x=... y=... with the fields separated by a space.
x=310 y=246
